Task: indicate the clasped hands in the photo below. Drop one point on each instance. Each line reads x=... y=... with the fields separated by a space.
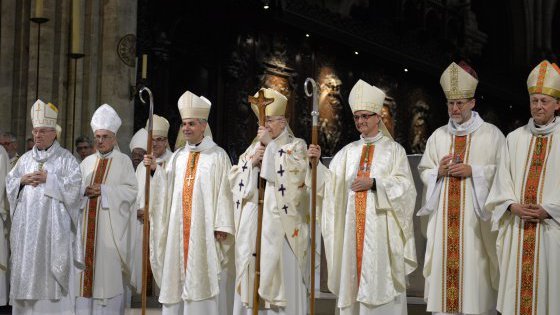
x=529 y=212
x=448 y=167
x=359 y=183
x=93 y=191
x=34 y=179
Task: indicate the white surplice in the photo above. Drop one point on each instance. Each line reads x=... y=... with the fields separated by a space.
x=478 y=270
x=195 y=287
x=138 y=230
x=45 y=232
x=285 y=237
x=508 y=188
x=114 y=217
x=389 y=252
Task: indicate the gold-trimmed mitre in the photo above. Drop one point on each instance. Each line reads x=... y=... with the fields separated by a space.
x=544 y=79
x=276 y=108
x=457 y=83
x=160 y=126
x=364 y=96
x=43 y=115
x=192 y=106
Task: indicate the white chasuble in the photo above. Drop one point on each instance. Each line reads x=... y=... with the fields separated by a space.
x=106 y=223
x=138 y=230
x=45 y=232
x=285 y=237
x=528 y=253
x=368 y=235
x=195 y=202
x=460 y=268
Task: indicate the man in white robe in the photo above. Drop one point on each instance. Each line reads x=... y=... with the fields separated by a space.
x=44 y=194
x=281 y=159
x=525 y=204
x=368 y=198
x=457 y=169
x=110 y=190
x=162 y=154
x=191 y=228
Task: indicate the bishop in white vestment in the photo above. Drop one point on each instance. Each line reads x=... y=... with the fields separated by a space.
x=191 y=228
x=282 y=161
x=44 y=194
x=525 y=204
x=110 y=190
x=457 y=169
x=162 y=154
x=368 y=198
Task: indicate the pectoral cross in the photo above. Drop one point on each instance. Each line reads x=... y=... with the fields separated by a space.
x=41 y=166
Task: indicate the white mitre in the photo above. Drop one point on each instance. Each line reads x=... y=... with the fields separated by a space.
x=365 y=96
x=160 y=126
x=105 y=117
x=43 y=115
x=139 y=140
x=192 y=106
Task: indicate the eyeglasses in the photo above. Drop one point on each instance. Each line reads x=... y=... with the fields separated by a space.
x=159 y=139
x=80 y=147
x=41 y=131
x=363 y=116
x=460 y=104
x=103 y=138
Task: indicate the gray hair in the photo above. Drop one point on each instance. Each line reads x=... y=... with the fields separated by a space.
x=81 y=139
x=9 y=135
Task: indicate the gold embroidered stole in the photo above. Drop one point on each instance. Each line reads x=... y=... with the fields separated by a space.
x=361 y=199
x=90 y=224
x=529 y=231
x=452 y=280
x=188 y=187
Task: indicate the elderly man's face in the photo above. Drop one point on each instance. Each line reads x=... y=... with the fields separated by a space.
x=543 y=108
x=43 y=137
x=275 y=125
x=84 y=150
x=105 y=140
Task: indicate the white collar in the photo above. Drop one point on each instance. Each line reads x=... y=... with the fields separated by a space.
x=543 y=130
x=467 y=127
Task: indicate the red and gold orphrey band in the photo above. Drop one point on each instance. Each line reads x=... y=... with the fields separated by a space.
x=361 y=200
x=529 y=246
x=188 y=187
x=90 y=219
x=453 y=239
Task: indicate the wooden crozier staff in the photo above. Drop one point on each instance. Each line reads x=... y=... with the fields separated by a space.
x=310 y=83
x=146 y=232
x=261 y=102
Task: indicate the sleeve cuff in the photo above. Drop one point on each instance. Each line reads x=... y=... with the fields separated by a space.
x=51 y=189
x=267 y=169
x=382 y=200
x=104 y=198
